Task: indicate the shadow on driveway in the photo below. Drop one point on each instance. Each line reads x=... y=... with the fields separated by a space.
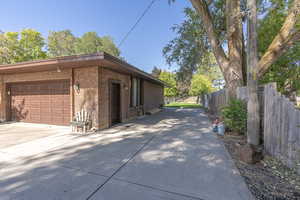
x=169 y=155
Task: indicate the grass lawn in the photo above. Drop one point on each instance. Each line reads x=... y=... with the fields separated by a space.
x=183 y=105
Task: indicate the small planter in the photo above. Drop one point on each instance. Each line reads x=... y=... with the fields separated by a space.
x=221 y=129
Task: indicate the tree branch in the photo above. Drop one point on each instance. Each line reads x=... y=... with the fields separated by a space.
x=208 y=2
x=202 y=9
x=283 y=40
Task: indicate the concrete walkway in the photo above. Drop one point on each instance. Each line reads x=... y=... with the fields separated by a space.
x=170 y=155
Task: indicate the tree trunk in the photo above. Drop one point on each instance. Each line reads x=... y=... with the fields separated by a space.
x=253 y=118
x=233 y=81
x=231 y=65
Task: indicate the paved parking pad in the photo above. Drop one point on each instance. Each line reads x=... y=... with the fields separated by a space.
x=169 y=155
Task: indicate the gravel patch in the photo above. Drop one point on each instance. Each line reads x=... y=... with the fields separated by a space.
x=267 y=180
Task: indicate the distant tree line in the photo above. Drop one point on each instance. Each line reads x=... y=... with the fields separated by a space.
x=203 y=81
x=29 y=44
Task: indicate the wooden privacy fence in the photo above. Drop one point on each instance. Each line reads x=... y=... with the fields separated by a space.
x=281 y=128
x=215 y=101
x=280 y=121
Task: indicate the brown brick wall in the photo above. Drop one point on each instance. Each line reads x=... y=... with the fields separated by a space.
x=153 y=96
x=2 y=103
x=105 y=76
x=87 y=97
x=93 y=95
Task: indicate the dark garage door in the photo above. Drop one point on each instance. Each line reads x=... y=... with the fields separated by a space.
x=46 y=102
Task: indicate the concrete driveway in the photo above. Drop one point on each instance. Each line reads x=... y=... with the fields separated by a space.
x=170 y=155
x=18 y=133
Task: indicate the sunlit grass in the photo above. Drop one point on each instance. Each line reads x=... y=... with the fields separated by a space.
x=183 y=105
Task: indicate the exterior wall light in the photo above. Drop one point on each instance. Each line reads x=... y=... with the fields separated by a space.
x=77 y=87
x=58 y=69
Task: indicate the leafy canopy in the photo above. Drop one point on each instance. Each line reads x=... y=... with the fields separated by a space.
x=200 y=85
x=190 y=49
x=61 y=43
x=30 y=45
x=156 y=72
x=64 y=43
x=24 y=46
x=286 y=70
x=169 y=78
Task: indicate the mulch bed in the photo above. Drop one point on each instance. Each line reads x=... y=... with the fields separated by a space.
x=268 y=179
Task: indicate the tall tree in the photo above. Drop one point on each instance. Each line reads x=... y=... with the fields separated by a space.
x=169 y=78
x=31 y=45
x=61 y=43
x=200 y=85
x=253 y=119
x=88 y=43
x=188 y=50
x=109 y=46
x=156 y=72
x=286 y=70
x=232 y=63
x=15 y=47
x=64 y=43
x=210 y=68
x=9 y=47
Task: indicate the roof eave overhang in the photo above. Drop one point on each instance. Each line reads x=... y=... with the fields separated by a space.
x=97 y=59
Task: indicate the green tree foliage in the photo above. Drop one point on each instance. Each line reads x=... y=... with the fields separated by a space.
x=286 y=70
x=156 y=72
x=272 y=13
x=200 y=85
x=90 y=42
x=9 y=47
x=210 y=68
x=15 y=47
x=64 y=43
x=109 y=46
x=169 y=78
x=30 y=45
x=188 y=49
x=61 y=43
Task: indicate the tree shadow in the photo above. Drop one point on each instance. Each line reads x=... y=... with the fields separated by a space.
x=175 y=145
x=18 y=111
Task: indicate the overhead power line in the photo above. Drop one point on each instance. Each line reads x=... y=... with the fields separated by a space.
x=137 y=22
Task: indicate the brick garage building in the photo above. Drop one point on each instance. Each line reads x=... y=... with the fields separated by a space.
x=51 y=91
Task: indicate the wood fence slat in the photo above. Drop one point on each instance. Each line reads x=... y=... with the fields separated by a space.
x=280 y=121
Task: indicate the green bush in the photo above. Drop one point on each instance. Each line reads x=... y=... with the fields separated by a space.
x=235 y=116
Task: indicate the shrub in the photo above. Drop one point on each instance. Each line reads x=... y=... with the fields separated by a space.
x=235 y=116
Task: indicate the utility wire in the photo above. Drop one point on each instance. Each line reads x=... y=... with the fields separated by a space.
x=137 y=22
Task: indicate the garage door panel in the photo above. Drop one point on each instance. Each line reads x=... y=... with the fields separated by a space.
x=41 y=102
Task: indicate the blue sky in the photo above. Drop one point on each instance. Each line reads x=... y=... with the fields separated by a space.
x=144 y=46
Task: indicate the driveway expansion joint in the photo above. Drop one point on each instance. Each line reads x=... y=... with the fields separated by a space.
x=155 y=188
x=123 y=165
